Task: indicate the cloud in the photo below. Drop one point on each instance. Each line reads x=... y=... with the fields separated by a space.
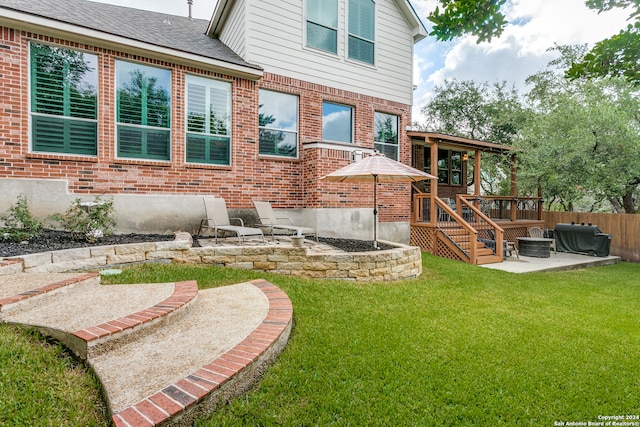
x=522 y=50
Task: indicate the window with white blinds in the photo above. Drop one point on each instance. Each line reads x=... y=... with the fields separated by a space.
x=322 y=24
x=63 y=98
x=208 y=107
x=362 y=15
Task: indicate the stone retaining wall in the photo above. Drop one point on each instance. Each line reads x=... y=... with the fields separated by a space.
x=394 y=264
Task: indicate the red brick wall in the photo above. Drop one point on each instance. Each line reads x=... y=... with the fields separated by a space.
x=288 y=183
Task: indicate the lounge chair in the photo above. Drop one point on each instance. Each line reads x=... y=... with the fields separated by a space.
x=538 y=233
x=282 y=225
x=218 y=220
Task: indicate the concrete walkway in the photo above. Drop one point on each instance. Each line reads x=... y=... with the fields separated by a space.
x=165 y=353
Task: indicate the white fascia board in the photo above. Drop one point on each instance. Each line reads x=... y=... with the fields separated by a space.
x=419 y=30
x=220 y=13
x=40 y=25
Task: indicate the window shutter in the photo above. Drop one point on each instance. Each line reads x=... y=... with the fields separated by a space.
x=83 y=137
x=209 y=109
x=218 y=105
x=208 y=149
x=196 y=108
x=143 y=111
x=47 y=84
x=157 y=144
x=63 y=101
x=129 y=142
x=157 y=107
x=129 y=108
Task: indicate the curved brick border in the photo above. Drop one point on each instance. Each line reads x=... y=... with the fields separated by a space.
x=45 y=289
x=184 y=293
x=230 y=374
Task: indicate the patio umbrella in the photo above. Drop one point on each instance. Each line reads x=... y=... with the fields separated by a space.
x=377 y=168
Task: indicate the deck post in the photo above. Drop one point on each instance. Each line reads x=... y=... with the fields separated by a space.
x=433 y=183
x=540 y=203
x=514 y=188
x=477 y=188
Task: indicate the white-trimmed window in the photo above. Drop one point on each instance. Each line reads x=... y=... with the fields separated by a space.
x=64 y=100
x=386 y=134
x=278 y=124
x=362 y=17
x=208 y=107
x=322 y=25
x=337 y=122
x=143 y=121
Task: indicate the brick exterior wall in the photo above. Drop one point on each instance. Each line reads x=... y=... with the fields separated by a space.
x=287 y=183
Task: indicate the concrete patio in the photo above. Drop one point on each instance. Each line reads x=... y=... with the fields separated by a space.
x=556 y=262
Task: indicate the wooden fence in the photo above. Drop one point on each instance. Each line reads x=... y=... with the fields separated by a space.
x=624 y=229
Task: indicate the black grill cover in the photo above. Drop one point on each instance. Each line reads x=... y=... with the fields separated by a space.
x=584 y=239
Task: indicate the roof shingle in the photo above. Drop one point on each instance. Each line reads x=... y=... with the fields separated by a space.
x=169 y=31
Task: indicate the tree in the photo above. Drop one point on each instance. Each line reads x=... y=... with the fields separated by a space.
x=583 y=146
x=481 y=18
x=475 y=110
x=617 y=56
x=479 y=111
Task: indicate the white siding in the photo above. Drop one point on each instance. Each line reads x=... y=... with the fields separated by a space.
x=234 y=33
x=276 y=42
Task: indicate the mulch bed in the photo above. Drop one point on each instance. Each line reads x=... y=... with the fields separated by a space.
x=55 y=240
x=349 y=245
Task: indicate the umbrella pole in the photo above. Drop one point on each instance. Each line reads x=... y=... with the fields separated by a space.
x=375 y=212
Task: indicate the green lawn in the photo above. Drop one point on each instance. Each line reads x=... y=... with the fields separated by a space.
x=461 y=345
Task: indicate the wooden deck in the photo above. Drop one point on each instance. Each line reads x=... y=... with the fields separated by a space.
x=467 y=232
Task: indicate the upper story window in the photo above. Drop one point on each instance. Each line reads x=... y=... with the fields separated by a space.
x=64 y=100
x=362 y=16
x=208 y=107
x=386 y=134
x=337 y=122
x=278 y=124
x=143 y=111
x=322 y=24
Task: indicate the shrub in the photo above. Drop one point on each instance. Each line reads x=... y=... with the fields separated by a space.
x=19 y=223
x=88 y=221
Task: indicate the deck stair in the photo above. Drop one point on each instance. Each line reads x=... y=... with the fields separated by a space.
x=164 y=353
x=462 y=240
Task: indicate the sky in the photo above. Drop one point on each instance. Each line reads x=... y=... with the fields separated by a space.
x=522 y=50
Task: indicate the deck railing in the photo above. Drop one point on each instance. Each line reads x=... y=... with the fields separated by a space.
x=508 y=208
x=456 y=228
x=463 y=225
